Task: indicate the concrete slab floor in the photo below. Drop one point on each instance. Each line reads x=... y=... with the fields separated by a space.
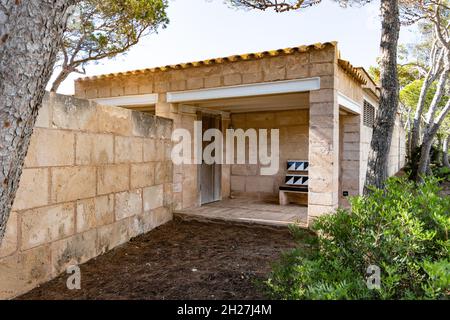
x=248 y=211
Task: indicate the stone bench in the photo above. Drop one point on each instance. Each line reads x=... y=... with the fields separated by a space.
x=294 y=181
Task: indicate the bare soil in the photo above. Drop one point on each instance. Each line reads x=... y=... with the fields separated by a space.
x=180 y=260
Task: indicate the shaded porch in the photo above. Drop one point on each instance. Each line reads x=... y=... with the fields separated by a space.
x=244 y=210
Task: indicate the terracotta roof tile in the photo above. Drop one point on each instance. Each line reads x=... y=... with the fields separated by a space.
x=216 y=61
x=352 y=71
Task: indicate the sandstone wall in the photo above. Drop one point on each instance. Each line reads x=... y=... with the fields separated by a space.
x=94 y=177
x=397 y=153
x=246 y=180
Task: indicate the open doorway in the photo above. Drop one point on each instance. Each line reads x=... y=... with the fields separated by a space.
x=210 y=174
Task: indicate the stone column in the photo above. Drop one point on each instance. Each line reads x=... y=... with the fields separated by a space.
x=350 y=158
x=323 y=153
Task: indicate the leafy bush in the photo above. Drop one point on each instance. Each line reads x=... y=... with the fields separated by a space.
x=403 y=230
x=442 y=172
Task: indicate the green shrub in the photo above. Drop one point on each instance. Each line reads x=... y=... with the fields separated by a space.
x=442 y=172
x=403 y=230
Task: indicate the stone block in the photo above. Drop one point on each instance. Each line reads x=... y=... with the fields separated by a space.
x=168 y=194
x=253 y=77
x=213 y=81
x=178 y=85
x=104 y=209
x=104 y=89
x=327 y=54
x=315 y=211
x=292 y=118
x=322 y=69
x=143 y=125
x=164 y=128
x=45 y=114
x=128 y=204
x=74 y=250
x=113 y=178
x=163 y=172
x=142 y=175
x=94 y=149
x=85 y=216
x=244 y=169
x=328 y=82
x=47 y=224
x=131 y=86
x=259 y=184
x=140 y=224
x=114 y=120
x=149 y=146
x=72 y=183
x=238 y=183
x=161 y=216
x=232 y=79
x=322 y=198
x=128 y=149
x=112 y=235
x=153 y=197
x=161 y=87
x=74 y=114
x=22 y=272
x=321 y=96
x=94 y=212
x=195 y=83
x=9 y=243
x=50 y=148
x=297 y=66
x=274 y=68
x=33 y=189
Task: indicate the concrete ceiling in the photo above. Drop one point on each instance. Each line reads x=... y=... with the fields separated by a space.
x=259 y=103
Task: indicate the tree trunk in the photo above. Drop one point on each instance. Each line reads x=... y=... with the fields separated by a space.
x=65 y=72
x=424 y=161
x=415 y=132
x=445 y=152
x=30 y=34
x=385 y=121
x=436 y=62
x=431 y=131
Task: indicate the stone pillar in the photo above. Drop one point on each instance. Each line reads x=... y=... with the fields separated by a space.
x=186 y=193
x=323 y=153
x=167 y=110
x=226 y=168
x=350 y=157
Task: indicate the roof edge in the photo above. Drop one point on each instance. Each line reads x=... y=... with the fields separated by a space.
x=352 y=71
x=215 y=61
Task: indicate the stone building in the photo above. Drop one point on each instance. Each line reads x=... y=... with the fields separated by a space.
x=323 y=106
x=99 y=170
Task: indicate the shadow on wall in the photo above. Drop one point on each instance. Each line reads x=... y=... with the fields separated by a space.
x=94 y=177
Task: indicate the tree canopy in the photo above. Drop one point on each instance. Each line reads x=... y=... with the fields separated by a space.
x=99 y=29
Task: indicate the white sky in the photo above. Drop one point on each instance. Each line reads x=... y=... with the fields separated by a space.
x=202 y=29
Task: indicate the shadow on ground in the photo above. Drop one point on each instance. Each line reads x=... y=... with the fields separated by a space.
x=180 y=260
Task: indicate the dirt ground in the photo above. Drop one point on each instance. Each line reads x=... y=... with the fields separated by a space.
x=180 y=260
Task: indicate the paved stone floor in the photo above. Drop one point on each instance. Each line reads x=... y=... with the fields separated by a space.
x=249 y=211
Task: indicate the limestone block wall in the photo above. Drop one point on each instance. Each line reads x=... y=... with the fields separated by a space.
x=94 y=177
x=347 y=86
x=397 y=154
x=294 y=126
